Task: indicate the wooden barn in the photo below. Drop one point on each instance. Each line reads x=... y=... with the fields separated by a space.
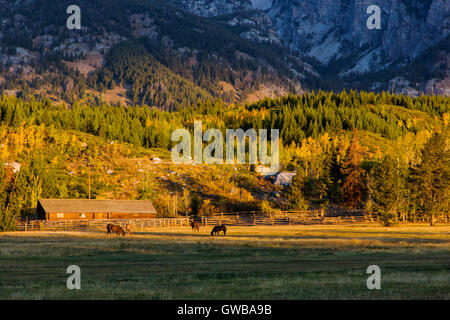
x=62 y=209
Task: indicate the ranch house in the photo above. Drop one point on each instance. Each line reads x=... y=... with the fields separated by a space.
x=75 y=209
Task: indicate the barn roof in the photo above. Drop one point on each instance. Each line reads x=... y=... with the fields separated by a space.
x=85 y=205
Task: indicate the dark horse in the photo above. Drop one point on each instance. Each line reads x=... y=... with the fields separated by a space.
x=195 y=225
x=216 y=230
x=113 y=228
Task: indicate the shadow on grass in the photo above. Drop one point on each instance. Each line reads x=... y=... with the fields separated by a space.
x=230 y=235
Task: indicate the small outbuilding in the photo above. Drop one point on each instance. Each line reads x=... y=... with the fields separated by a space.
x=284 y=179
x=73 y=209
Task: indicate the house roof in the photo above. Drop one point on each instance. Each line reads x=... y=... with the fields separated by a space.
x=85 y=205
x=284 y=178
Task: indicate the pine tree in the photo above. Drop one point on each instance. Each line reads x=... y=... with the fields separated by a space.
x=11 y=198
x=196 y=204
x=383 y=191
x=333 y=177
x=354 y=188
x=295 y=195
x=431 y=177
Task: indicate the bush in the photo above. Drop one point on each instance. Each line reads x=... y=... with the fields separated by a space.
x=387 y=218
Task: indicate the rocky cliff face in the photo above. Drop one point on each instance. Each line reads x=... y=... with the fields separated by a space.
x=336 y=29
x=211 y=8
x=334 y=33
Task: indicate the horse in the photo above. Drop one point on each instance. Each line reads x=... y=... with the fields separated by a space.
x=128 y=228
x=216 y=230
x=195 y=225
x=113 y=228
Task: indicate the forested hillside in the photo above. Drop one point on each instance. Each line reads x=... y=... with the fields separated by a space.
x=151 y=83
x=348 y=149
x=159 y=54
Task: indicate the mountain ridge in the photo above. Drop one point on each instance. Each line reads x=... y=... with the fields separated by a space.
x=334 y=34
x=228 y=50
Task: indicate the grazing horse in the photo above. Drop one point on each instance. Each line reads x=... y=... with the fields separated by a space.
x=128 y=228
x=216 y=230
x=195 y=225
x=113 y=228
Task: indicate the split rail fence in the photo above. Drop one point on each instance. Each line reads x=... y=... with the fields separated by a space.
x=228 y=219
x=100 y=225
x=286 y=218
x=231 y=219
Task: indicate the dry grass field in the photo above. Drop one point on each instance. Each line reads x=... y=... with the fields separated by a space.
x=287 y=262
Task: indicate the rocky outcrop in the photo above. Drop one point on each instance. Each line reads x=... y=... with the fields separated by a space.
x=336 y=29
x=211 y=8
x=335 y=33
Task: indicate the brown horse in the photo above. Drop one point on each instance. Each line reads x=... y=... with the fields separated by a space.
x=216 y=230
x=195 y=225
x=128 y=228
x=114 y=228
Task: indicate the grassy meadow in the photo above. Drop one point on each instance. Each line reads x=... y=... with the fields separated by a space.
x=259 y=262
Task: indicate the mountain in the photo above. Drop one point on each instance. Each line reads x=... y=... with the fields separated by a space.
x=332 y=36
x=334 y=33
x=179 y=57
x=329 y=29
x=175 y=53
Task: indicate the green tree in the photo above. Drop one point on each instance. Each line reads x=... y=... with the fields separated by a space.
x=11 y=199
x=383 y=195
x=332 y=177
x=354 y=188
x=196 y=204
x=431 y=177
x=294 y=195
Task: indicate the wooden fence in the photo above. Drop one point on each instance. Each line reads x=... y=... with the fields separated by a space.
x=141 y=225
x=239 y=219
x=290 y=220
x=100 y=225
x=296 y=217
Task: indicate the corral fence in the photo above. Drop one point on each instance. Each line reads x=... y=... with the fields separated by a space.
x=231 y=219
x=283 y=218
x=100 y=225
x=296 y=218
